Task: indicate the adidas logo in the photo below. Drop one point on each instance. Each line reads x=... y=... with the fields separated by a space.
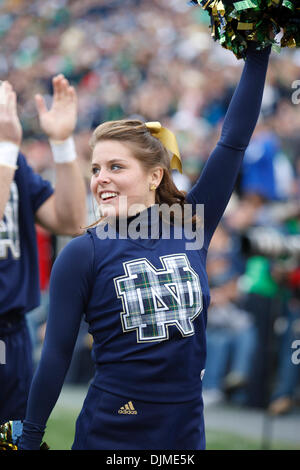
x=127 y=409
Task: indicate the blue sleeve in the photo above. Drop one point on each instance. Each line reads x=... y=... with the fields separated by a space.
x=70 y=286
x=39 y=189
x=218 y=178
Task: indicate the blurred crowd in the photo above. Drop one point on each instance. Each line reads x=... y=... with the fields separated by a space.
x=155 y=60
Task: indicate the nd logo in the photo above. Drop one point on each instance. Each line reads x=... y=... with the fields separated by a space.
x=9 y=226
x=154 y=299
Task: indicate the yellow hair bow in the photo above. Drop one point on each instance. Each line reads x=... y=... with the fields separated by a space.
x=168 y=140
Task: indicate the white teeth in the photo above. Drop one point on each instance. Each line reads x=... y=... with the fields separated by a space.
x=107 y=195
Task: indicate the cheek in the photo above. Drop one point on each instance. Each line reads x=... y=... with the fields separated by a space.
x=135 y=190
x=93 y=185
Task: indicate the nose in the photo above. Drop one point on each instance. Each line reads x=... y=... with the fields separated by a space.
x=103 y=177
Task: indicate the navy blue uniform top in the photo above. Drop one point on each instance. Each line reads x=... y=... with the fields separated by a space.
x=145 y=300
x=19 y=274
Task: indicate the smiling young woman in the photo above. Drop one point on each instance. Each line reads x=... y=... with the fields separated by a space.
x=129 y=162
x=117 y=174
x=145 y=300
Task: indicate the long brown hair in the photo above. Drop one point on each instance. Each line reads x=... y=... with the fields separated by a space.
x=148 y=150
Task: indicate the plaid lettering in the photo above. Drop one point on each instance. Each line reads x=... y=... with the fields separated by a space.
x=154 y=299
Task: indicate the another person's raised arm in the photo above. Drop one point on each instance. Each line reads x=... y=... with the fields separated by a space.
x=65 y=211
x=10 y=141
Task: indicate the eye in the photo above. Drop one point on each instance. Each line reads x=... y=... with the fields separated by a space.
x=95 y=170
x=115 y=166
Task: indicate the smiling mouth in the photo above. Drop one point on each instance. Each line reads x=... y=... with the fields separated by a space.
x=107 y=196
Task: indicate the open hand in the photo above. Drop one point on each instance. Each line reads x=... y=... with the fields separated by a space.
x=10 y=126
x=59 y=122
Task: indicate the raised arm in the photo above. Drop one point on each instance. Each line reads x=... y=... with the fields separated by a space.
x=69 y=292
x=65 y=211
x=10 y=141
x=217 y=180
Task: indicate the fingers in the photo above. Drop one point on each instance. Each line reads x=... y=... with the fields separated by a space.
x=62 y=88
x=72 y=93
x=57 y=85
x=63 y=93
x=40 y=104
x=8 y=99
x=12 y=103
x=5 y=90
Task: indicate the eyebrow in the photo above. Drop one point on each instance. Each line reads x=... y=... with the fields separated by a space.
x=113 y=160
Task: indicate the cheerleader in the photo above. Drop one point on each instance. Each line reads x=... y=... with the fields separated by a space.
x=145 y=298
